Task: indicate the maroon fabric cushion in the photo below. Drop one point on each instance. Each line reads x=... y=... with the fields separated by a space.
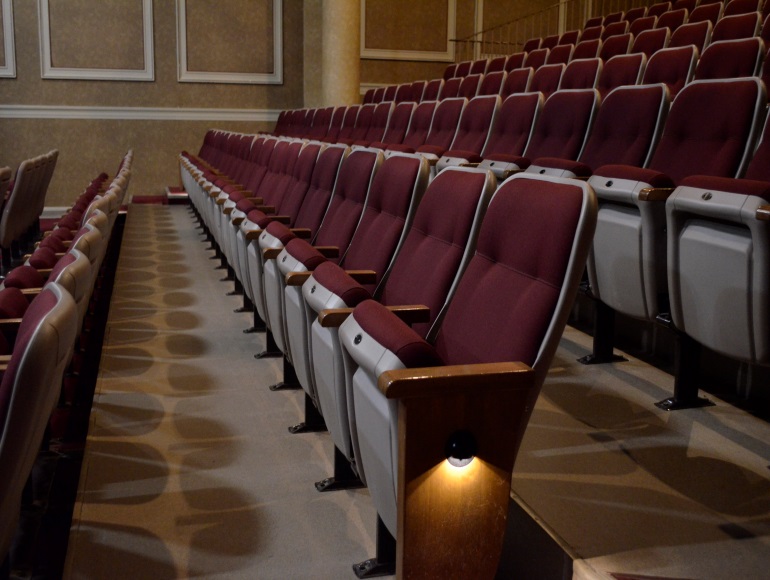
x=650 y=176
x=470 y=156
x=260 y=218
x=389 y=331
x=437 y=150
x=333 y=278
x=521 y=162
x=280 y=231
x=739 y=186
x=561 y=128
x=42 y=258
x=244 y=205
x=13 y=303
x=24 y=277
x=400 y=148
x=506 y=298
x=304 y=253
x=69 y=222
x=54 y=243
x=63 y=233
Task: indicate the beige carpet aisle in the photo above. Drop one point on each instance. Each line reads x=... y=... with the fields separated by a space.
x=189 y=469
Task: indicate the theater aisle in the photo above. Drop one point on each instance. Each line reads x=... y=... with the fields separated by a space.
x=189 y=469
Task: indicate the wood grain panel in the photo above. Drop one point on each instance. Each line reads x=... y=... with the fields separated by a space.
x=406 y=25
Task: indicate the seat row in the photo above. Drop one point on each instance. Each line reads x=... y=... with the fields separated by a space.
x=636 y=151
x=44 y=305
x=387 y=124
x=22 y=199
x=402 y=240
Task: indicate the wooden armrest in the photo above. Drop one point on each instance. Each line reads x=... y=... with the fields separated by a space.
x=31 y=291
x=253 y=234
x=221 y=200
x=303 y=233
x=5 y=358
x=236 y=221
x=328 y=251
x=468 y=164
x=267 y=209
x=763 y=213
x=45 y=271
x=9 y=323
x=456 y=379
x=412 y=314
x=227 y=210
x=655 y=193
x=271 y=253
x=282 y=219
x=297 y=278
x=363 y=276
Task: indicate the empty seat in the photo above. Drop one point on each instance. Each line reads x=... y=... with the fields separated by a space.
x=450 y=89
x=672 y=19
x=696 y=33
x=633 y=14
x=592 y=33
x=616 y=45
x=613 y=18
x=390 y=93
x=731 y=59
x=443 y=128
x=477 y=120
x=493 y=83
x=624 y=69
x=614 y=29
x=479 y=67
x=517 y=81
x=379 y=123
x=707 y=131
x=469 y=87
x=734 y=7
x=536 y=58
x=658 y=8
x=496 y=64
x=419 y=127
x=546 y=79
x=532 y=44
x=449 y=71
x=349 y=123
x=322 y=121
x=432 y=90
x=336 y=124
x=581 y=74
x=463 y=69
x=369 y=96
x=520 y=316
x=514 y=61
x=672 y=66
x=437 y=247
x=550 y=41
x=587 y=49
x=398 y=125
x=689 y=5
x=593 y=22
x=707 y=12
x=738 y=26
x=403 y=93
x=641 y=24
x=509 y=136
x=570 y=37
x=417 y=89
x=560 y=54
x=651 y=41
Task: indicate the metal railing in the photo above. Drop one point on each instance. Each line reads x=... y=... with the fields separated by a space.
x=560 y=17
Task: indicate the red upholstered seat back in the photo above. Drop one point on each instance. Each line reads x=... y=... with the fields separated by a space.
x=321 y=121
x=514 y=61
x=561 y=129
x=348 y=200
x=581 y=74
x=546 y=79
x=348 y=123
x=336 y=125
x=708 y=128
x=432 y=90
x=436 y=242
x=524 y=248
x=729 y=59
x=13 y=303
x=672 y=66
x=321 y=186
x=672 y=19
x=627 y=126
x=403 y=93
x=492 y=83
x=587 y=49
x=616 y=45
x=759 y=167
x=417 y=89
x=299 y=182
x=536 y=58
x=260 y=164
x=398 y=123
x=379 y=122
x=707 y=12
x=517 y=81
x=474 y=125
x=651 y=41
x=382 y=224
x=419 y=125
x=510 y=134
x=560 y=54
x=444 y=124
x=451 y=88
x=737 y=26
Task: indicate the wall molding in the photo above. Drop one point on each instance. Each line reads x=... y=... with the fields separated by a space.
x=187 y=76
x=8 y=69
x=97 y=74
x=415 y=55
x=136 y=113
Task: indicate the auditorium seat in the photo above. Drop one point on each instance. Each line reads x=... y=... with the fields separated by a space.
x=379 y=122
x=673 y=66
x=368 y=96
x=707 y=12
x=432 y=90
x=403 y=93
x=336 y=230
x=570 y=37
x=418 y=88
x=450 y=89
x=479 y=67
x=634 y=14
x=625 y=69
x=581 y=74
x=493 y=83
x=361 y=127
x=560 y=54
x=463 y=69
x=437 y=248
x=626 y=130
x=321 y=122
x=449 y=71
x=517 y=81
x=349 y=123
x=592 y=33
x=532 y=44
x=511 y=304
x=549 y=41
x=593 y=22
x=587 y=49
x=397 y=125
x=379 y=94
x=642 y=24
x=443 y=128
x=514 y=61
x=734 y=7
x=394 y=194
x=614 y=29
x=496 y=64
x=696 y=33
x=546 y=79
x=29 y=390
x=336 y=124
x=708 y=131
x=390 y=93
x=536 y=58
x=309 y=218
x=672 y=19
x=613 y=18
x=509 y=136
x=616 y=45
x=651 y=41
x=469 y=86
x=689 y=5
x=419 y=127
x=727 y=59
x=658 y=8
x=476 y=122
x=737 y=26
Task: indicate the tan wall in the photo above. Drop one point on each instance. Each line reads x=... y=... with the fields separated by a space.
x=92 y=145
